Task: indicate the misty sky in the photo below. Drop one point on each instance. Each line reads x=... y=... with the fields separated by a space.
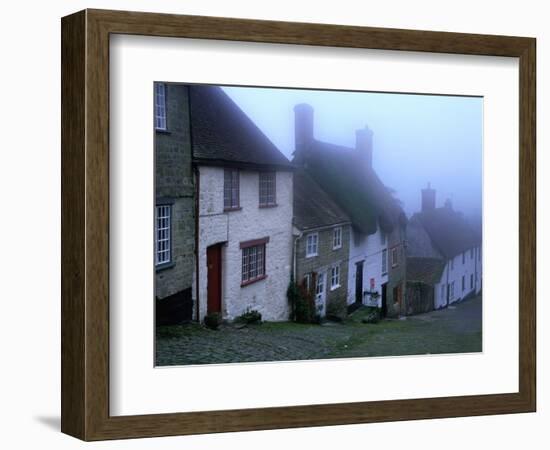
x=417 y=138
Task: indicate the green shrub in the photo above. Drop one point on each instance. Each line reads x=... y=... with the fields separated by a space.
x=302 y=304
x=250 y=316
x=213 y=320
x=372 y=316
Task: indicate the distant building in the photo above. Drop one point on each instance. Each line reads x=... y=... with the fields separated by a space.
x=376 y=260
x=444 y=263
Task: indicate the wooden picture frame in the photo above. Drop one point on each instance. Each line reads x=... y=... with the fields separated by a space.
x=85 y=224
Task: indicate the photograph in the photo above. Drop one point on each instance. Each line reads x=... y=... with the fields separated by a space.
x=303 y=224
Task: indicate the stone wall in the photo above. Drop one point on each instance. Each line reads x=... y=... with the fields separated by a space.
x=334 y=299
x=395 y=293
x=420 y=298
x=268 y=296
x=174 y=185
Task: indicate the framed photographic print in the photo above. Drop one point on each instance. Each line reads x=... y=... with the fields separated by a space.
x=271 y=225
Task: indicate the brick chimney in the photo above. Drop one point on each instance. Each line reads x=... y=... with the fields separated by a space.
x=428 y=199
x=363 y=144
x=303 y=126
x=449 y=203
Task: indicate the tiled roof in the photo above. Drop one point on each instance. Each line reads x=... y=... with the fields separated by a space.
x=425 y=270
x=313 y=208
x=223 y=134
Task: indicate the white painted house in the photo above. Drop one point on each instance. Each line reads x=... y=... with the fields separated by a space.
x=368 y=259
x=244 y=200
x=444 y=252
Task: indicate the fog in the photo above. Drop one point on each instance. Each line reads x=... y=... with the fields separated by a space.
x=417 y=138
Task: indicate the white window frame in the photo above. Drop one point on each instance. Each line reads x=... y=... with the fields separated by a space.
x=253 y=263
x=320 y=284
x=337 y=238
x=163 y=234
x=384 y=261
x=160 y=107
x=313 y=249
x=335 y=277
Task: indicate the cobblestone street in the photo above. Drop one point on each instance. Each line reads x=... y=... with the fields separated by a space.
x=456 y=329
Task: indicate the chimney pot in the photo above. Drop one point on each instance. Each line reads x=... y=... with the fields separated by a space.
x=303 y=126
x=363 y=144
x=428 y=198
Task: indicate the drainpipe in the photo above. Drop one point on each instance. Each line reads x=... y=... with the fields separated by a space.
x=294 y=255
x=197 y=277
x=447 y=287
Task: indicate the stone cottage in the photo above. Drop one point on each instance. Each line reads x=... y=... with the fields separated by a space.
x=376 y=259
x=244 y=203
x=174 y=251
x=321 y=248
x=444 y=262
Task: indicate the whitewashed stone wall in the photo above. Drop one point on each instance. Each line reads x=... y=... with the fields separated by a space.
x=268 y=296
x=454 y=273
x=368 y=249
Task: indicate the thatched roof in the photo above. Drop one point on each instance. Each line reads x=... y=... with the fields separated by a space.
x=356 y=188
x=449 y=232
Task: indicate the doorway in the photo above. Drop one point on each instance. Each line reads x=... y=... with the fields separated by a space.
x=384 y=311
x=214 y=286
x=359 y=282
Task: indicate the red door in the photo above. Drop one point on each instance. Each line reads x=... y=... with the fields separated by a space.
x=214 y=264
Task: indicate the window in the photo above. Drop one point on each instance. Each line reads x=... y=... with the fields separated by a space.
x=334 y=277
x=312 y=245
x=253 y=263
x=472 y=281
x=452 y=290
x=463 y=283
x=230 y=189
x=384 y=261
x=337 y=238
x=442 y=291
x=160 y=106
x=394 y=257
x=320 y=285
x=267 y=189
x=163 y=234
x=463 y=257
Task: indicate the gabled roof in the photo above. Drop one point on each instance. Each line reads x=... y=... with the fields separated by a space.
x=425 y=270
x=449 y=232
x=418 y=240
x=355 y=187
x=313 y=207
x=222 y=134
